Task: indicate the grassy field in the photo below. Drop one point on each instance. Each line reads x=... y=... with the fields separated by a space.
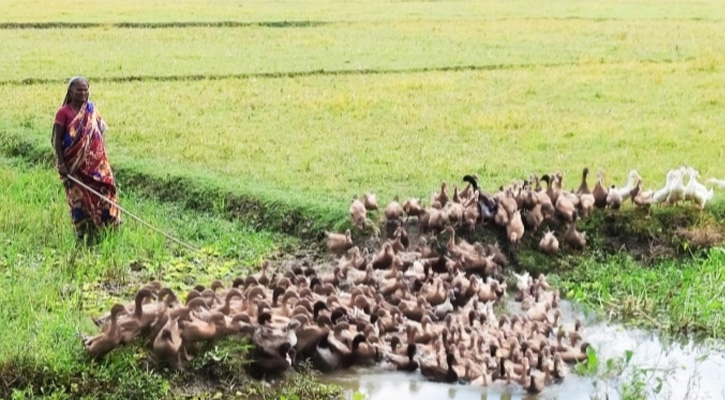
x=52 y=286
x=50 y=54
x=259 y=10
x=327 y=138
x=391 y=97
x=551 y=92
x=50 y=290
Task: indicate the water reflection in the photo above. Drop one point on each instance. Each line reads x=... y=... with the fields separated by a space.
x=689 y=372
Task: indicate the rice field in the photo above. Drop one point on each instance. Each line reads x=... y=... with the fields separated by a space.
x=383 y=96
x=330 y=10
x=327 y=138
x=118 y=53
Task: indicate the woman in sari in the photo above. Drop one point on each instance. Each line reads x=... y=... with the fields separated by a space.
x=78 y=142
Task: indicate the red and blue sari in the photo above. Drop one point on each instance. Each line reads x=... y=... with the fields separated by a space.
x=85 y=155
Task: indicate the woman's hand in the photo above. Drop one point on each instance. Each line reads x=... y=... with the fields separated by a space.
x=63 y=169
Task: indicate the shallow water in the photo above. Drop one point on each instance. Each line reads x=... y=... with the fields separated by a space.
x=688 y=371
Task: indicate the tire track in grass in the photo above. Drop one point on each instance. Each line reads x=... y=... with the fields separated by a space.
x=299 y=23
x=324 y=72
x=163 y=25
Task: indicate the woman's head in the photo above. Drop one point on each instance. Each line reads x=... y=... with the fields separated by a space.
x=77 y=90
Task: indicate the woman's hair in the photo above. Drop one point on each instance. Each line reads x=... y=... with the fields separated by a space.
x=74 y=80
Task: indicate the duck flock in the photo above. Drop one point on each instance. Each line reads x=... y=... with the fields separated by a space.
x=425 y=305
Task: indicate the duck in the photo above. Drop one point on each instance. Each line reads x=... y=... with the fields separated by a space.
x=103 y=343
x=435 y=373
x=535 y=383
x=338 y=243
x=140 y=320
x=565 y=209
x=168 y=342
x=696 y=192
x=676 y=190
x=600 y=194
x=639 y=197
x=154 y=288
x=332 y=354
x=265 y=363
x=140 y=301
x=549 y=244
x=614 y=198
x=309 y=335
x=370 y=201
x=575 y=355
x=442 y=196
x=624 y=192
x=412 y=208
x=720 y=183
x=487 y=206
x=226 y=307
x=586 y=197
x=584 y=186
x=515 y=227
x=535 y=217
x=404 y=363
x=199 y=330
x=271 y=337
x=552 y=191
x=393 y=211
x=384 y=258
x=574 y=238
x=358 y=214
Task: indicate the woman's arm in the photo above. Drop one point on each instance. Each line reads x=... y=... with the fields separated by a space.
x=58 y=146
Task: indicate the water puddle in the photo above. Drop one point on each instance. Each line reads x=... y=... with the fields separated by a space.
x=687 y=371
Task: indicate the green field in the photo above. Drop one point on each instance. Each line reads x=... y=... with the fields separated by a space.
x=356 y=96
x=50 y=54
x=327 y=138
x=52 y=286
x=257 y=10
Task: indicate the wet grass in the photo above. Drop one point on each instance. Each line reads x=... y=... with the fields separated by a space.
x=677 y=297
x=51 y=286
x=371 y=45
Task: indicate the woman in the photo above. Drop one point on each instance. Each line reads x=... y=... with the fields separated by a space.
x=78 y=143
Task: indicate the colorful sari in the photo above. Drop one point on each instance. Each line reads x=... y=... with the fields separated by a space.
x=85 y=155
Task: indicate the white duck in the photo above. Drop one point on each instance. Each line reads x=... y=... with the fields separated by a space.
x=661 y=195
x=623 y=192
x=717 y=182
x=695 y=191
x=524 y=281
x=676 y=189
x=615 y=198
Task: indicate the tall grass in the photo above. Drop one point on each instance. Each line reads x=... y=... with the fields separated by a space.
x=677 y=297
x=51 y=285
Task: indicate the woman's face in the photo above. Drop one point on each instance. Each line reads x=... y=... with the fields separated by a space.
x=79 y=92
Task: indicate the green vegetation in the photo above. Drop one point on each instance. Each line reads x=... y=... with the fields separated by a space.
x=675 y=296
x=260 y=10
x=629 y=381
x=376 y=46
x=50 y=290
x=279 y=124
x=403 y=134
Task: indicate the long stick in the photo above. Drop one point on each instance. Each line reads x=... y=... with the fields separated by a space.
x=107 y=200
